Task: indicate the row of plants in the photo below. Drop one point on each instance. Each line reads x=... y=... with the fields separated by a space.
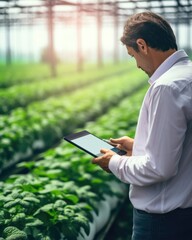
x=19 y=73
x=23 y=94
x=25 y=73
x=62 y=204
x=40 y=125
x=62 y=195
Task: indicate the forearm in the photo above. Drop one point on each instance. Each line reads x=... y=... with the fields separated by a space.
x=137 y=170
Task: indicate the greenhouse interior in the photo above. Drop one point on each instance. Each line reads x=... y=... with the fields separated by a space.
x=63 y=69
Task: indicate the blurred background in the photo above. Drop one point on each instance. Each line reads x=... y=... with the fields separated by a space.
x=64 y=69
x=79 y=30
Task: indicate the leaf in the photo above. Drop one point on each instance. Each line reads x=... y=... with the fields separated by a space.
x=5 y=142
x=80 y=219
x=24 y=203
x=46 y=238
x=13 y=210
x=34 y=223
x=45 y=208
x=73 y=198
x=96 y=181
x=68 y=211
x=2 y=217
x=53 y=173
x=21 y=180
x=20 y=216
x=32 y=231
x=29 y=188
x=44 y=217
x=11 y=203
x=60 y=204
x=31 y=199
x=63 y=218
x=19 y=220
x=6 y=199
x=13 y=233
x=28 y=194
x=29 y=165
x=15 y=195
x=47 y=214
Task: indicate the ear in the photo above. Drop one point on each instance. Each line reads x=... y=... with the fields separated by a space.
x=142 y=45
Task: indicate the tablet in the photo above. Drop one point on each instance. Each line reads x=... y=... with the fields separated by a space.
x=90 y=143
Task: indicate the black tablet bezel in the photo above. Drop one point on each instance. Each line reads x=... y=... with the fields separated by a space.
x=73 y=136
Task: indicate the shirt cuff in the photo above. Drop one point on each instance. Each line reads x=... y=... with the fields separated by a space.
x=113 y=163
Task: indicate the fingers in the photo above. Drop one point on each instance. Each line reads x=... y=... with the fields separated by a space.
x=111 y=143
x=103 y=150
x=116 y=140
x=103 y=160
x=98 y=159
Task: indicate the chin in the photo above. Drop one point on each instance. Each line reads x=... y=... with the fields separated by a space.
x=149 y=74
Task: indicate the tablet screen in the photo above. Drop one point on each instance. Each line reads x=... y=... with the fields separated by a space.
x=90 y=143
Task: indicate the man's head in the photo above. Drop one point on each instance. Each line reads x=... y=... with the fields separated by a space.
x=152 y=28
x=149 y=39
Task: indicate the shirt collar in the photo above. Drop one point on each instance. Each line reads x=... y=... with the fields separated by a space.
x=168 y=63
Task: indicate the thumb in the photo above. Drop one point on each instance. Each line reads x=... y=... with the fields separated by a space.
x=103 y=150
x=116 y=140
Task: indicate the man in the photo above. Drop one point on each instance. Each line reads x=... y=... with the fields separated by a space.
x=158 y=164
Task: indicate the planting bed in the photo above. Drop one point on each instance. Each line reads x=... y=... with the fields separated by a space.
x=60 y=194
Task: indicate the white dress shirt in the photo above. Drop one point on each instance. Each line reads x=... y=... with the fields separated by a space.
x=160 y=169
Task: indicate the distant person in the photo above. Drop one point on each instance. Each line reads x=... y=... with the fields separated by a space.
x=158 y=164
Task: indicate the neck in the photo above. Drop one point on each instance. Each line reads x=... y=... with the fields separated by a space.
x=158 y=57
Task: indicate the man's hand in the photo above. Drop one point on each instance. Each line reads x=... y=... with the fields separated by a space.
x=124 y=143
x=103 y=161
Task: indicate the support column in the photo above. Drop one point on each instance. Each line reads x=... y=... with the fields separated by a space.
x=99 y=33
x=79 y=38
x=51 y=52
x=116 y=39
x=8 y=46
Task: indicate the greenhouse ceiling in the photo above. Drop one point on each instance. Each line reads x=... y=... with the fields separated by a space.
x=18 y=10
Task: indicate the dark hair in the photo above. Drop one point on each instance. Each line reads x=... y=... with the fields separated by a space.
x=152 y=28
